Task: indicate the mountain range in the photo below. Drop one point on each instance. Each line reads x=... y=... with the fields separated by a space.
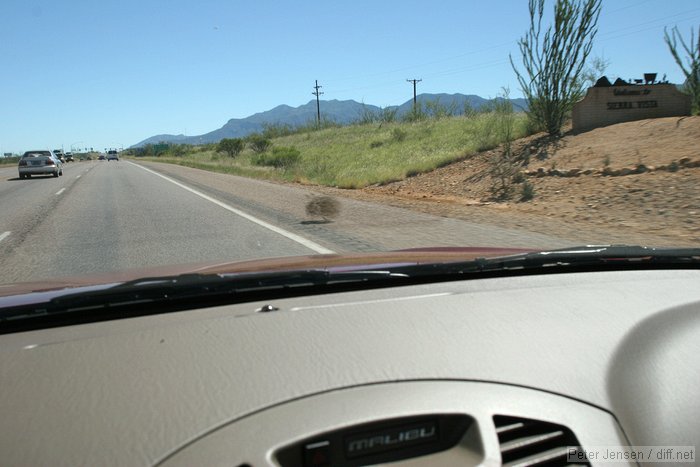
x=342 y=112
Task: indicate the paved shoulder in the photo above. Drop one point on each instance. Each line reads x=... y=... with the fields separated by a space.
x=360 y=226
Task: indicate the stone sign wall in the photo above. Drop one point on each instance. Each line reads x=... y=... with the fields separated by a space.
x=607 y=105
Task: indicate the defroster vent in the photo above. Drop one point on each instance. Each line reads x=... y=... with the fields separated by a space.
x=525 y=442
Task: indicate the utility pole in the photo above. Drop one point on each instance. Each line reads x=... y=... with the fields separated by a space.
x=414 y=81
x=318 y=105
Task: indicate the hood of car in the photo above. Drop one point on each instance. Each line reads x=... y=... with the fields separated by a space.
x=333 y=262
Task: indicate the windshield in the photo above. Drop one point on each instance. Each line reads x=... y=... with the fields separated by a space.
x=202 y=133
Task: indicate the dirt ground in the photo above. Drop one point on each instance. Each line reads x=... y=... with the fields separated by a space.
x=635 y=182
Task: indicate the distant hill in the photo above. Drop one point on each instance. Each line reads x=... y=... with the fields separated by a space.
x=162 y=139
x=343 y=112
x=456 y=102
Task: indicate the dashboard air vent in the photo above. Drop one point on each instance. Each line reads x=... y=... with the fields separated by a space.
x=525 y=442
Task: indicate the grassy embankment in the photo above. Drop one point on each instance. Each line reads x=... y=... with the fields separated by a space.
x=359 y=155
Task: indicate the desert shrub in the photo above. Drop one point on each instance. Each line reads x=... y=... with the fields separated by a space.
x=435 y=109
x=388 y=115
x=366 y=116
x=519 y=177
x=416 y=114
x=259 y=143
x=527 y=191
x=468 y=110
x=231 y=146
x=281 y=157
x=502 y=171
x=398 y=135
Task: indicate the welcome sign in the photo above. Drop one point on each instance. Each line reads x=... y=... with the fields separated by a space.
x=607 y=105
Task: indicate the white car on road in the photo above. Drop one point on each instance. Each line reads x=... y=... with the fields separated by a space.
x=42 y=162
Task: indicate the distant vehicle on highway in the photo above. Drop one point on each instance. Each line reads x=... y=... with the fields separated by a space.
x=59 y=155
x=101 y=158
x=41 y=162
x=69 y=157
x=112 y=155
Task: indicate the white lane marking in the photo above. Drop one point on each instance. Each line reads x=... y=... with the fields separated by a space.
x=4 y=235
x=60 y=191
x=78 y=176
x=292 y=236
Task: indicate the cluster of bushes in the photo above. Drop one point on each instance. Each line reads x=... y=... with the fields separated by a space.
x=234 y=146
x=279 y=157
x=163 y=150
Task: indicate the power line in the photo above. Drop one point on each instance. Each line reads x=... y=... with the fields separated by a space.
x=317 y=93
x=414 y=81
x=422 y=64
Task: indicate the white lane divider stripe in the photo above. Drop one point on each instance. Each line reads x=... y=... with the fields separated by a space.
x=4 y=235
x=78 y=176
x=292 y=236
x=60 y=191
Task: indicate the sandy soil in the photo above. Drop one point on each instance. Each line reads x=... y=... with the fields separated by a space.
x=579 y=192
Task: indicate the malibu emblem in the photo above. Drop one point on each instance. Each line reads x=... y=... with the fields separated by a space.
x=390 y=439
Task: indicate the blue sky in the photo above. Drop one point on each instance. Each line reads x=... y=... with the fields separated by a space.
x=112 y=73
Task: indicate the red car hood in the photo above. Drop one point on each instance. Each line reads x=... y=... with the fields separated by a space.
x=46 y=288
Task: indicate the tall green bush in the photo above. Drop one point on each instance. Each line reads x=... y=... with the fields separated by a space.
x=231 y=146
x=554 y=59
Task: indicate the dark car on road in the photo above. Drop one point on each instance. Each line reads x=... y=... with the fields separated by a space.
x=41 y=162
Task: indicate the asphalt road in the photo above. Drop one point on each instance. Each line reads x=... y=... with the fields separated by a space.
x=109 y=216
x=103 y=217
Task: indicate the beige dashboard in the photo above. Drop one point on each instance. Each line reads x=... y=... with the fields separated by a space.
x=609 y=358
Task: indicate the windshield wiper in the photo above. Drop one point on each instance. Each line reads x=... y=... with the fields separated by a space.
x=180 y=292
x=591 y=256
x=200 y=285
x=172 y=293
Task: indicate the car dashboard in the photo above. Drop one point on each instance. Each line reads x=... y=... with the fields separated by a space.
x=521 y=370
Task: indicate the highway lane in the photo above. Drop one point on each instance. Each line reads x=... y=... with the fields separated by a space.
x=24 y=203
x=110 y=216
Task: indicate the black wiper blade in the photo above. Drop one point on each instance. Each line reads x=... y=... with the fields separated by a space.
x=154 y=295
x=610 y=255
x=565 y=260
x=170 y=288
x=598 y=257
x=189 y=287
